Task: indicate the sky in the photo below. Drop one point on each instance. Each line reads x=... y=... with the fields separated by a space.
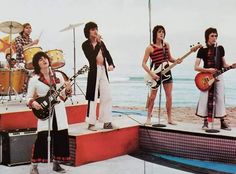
x=124 y=26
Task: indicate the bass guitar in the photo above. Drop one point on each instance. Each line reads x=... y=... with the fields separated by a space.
x=51 y=97
x=164 y=68
x=204 y=81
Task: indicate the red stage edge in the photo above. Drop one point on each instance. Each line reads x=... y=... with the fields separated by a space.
x=103 y=145
x=26 y=119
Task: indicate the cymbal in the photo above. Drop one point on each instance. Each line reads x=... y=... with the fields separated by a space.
x=11 y=27
x=71 y=26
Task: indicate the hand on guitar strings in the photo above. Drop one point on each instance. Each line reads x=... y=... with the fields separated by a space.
x=36 y=105
x=211 y=70
x=154 y=76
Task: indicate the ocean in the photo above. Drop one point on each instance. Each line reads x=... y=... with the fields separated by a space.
x=132 y=91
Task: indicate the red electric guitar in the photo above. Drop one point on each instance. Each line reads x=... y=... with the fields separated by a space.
x=204 y=81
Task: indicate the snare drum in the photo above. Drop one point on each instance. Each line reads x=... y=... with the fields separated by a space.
x=29 y=54
x=56 y=57
x=18 y=77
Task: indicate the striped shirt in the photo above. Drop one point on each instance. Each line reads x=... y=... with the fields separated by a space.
x=158 y=57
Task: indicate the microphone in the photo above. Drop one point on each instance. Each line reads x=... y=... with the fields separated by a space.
x=215 y=45
x=163 y=49
x=99 y=38
x=50 y=71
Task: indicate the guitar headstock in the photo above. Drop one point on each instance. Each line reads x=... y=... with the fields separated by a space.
x=194 y=48
x=83 y=70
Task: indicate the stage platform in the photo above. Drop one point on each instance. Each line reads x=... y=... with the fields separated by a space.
x=16 y=115
x=89 y=146
x=181 y=140
x=189 y=141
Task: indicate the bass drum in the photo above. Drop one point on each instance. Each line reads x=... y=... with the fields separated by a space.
x=29 y=54
x=56 y=57
x=14 y=76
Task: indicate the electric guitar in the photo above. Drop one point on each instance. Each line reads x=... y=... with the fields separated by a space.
x=204 y=81
x=164 y=68
x=48 y=99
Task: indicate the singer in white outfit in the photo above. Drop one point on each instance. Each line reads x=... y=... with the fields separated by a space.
x=98 y=83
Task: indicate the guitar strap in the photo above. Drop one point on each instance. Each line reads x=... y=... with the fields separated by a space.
x=164 y=51
x=217 y=58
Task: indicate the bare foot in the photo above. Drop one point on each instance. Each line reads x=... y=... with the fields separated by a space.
x=148 y=122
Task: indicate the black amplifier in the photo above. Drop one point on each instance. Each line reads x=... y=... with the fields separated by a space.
x=17 y=146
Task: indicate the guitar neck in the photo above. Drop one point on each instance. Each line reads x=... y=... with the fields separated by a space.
x=219 y=72
x=57 y=92
x=175 y=63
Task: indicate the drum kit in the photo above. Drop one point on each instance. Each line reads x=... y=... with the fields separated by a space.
x=14 y=81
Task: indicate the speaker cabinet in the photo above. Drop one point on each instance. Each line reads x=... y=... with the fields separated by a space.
x=17 y=146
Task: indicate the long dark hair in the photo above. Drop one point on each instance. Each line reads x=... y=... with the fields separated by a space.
x=36 y=59
x=155 y=30
x=208 y=32
x=24 y=25
x=89 y=26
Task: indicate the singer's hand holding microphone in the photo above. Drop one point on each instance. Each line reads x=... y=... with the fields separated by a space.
x=99 y=38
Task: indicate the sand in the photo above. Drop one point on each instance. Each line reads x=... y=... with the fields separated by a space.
x=187 y=114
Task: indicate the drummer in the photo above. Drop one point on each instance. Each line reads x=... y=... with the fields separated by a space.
x=24 y=41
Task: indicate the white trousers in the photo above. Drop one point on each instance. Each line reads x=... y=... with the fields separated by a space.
x=202 y=109
x=105 y=106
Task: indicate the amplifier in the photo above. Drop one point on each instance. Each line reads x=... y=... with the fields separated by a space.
x=17 y=146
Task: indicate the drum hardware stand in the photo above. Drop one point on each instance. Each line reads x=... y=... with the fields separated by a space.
x=159 y=107
x=11 y=27
x=82 y=93
x=73 y=26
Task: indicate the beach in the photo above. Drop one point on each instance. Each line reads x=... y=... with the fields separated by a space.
x=186 y=114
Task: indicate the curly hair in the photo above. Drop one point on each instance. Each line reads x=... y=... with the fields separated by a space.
x=88 y=27
x=36 y=59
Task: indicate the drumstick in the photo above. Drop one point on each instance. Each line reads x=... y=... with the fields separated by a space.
x=40 y=35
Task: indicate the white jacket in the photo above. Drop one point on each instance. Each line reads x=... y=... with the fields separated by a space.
x=35 y=86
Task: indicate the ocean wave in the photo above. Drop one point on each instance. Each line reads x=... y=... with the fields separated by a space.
x=141 y=79
x=119 y=79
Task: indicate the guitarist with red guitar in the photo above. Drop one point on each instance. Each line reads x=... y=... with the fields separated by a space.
x=210 y=81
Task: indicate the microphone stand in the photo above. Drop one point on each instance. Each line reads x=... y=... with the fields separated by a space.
x=159 y=107
x=212 y=130
x=50 y=114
